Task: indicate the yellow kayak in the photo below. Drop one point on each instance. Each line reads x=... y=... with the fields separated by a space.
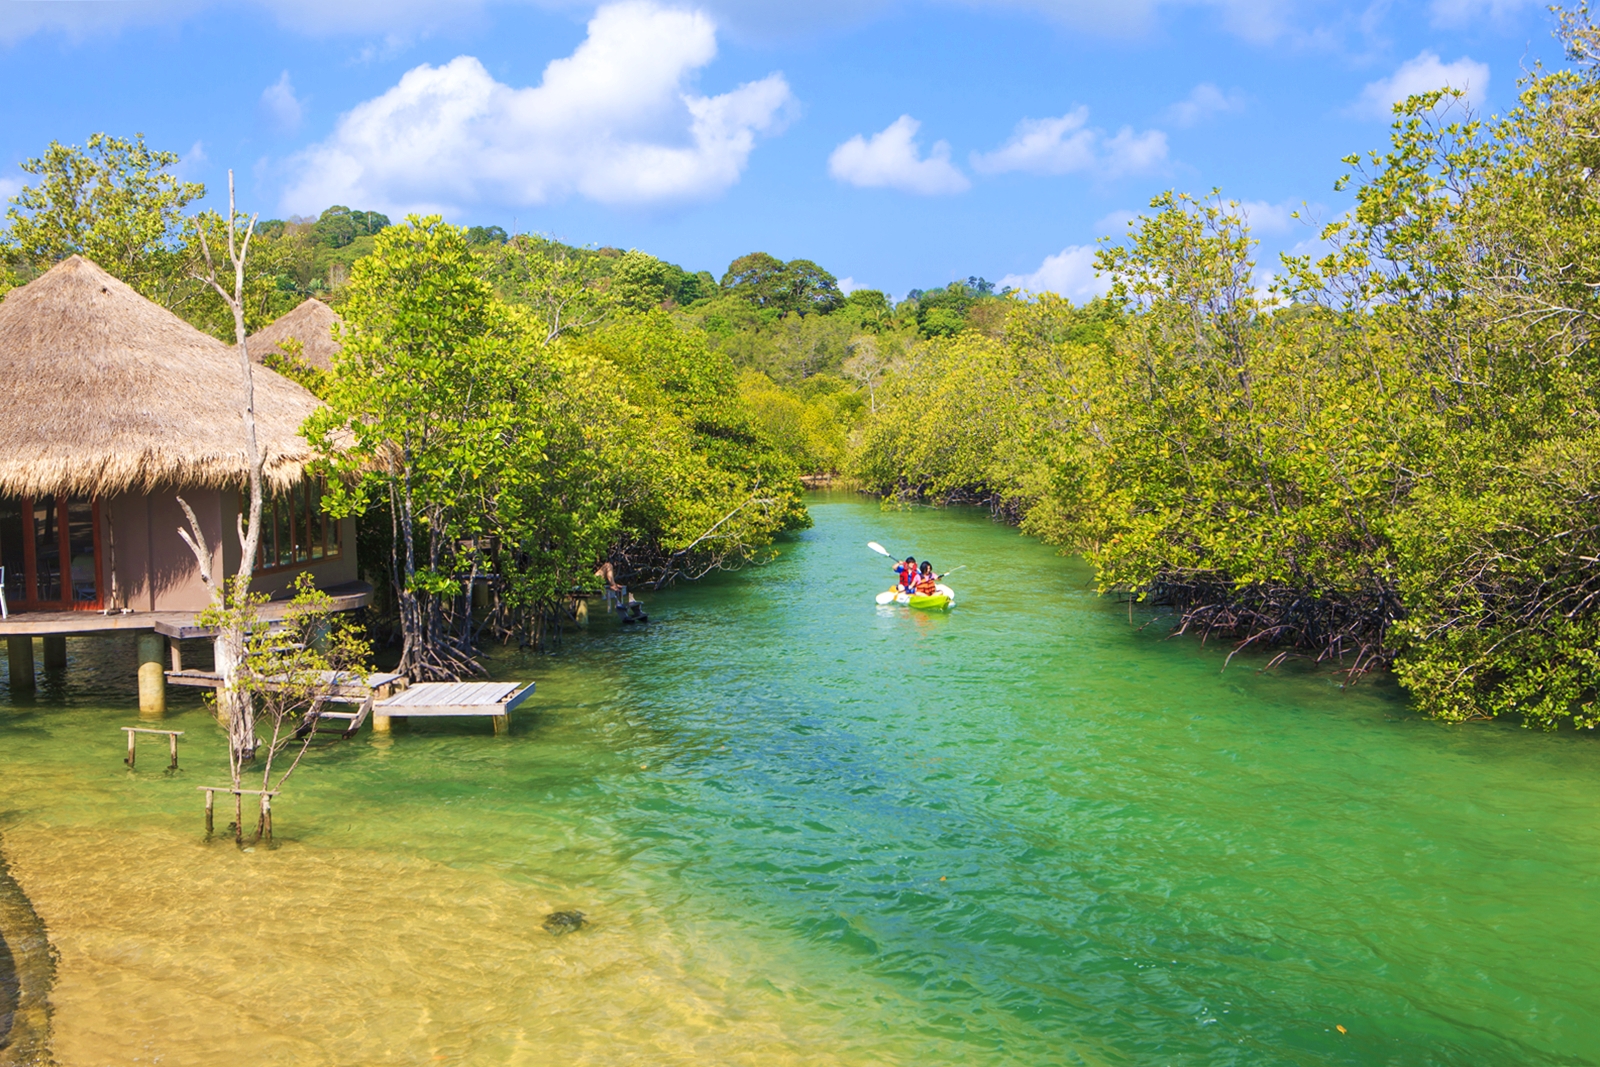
x=943 y=598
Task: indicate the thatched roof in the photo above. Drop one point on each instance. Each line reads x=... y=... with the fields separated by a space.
x=311 y=324
x=106 y=392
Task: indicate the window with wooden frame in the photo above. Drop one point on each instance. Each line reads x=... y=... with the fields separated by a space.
x=50 y=552
x=295 y=530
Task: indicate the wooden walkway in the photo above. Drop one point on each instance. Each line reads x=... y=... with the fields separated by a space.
x=175 y=624
x=497 y=700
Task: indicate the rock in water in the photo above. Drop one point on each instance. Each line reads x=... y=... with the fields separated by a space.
x=563 y=922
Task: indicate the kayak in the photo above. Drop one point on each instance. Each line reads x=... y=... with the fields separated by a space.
x=944 y=597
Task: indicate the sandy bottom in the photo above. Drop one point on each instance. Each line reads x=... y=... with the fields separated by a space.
x=177 y=952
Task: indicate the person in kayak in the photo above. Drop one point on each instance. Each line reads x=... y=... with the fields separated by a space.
x=906 y=575
x=927 y=581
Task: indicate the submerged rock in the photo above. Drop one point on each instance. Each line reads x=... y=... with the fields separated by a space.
x=563 y=922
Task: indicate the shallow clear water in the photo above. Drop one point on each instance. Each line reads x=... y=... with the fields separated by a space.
x=809 y=830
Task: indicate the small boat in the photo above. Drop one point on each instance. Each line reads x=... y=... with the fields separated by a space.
x=943 y=597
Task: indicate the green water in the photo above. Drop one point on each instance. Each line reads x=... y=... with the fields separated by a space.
x=807 y=829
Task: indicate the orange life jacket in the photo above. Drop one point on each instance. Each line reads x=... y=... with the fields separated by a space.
x=927 y=586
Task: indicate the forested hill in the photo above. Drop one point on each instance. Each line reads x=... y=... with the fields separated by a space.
x=1385 y=459
x=810 y=355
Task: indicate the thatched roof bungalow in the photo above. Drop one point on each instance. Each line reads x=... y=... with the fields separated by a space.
x=311 y=324
x=113 y=407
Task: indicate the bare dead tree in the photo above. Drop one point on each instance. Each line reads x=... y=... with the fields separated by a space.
x=233 y=702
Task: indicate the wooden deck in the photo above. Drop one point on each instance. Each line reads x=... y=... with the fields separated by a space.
x=497 y=700
x=175 y=624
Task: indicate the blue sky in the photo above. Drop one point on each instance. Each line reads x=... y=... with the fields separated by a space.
x=900 y=145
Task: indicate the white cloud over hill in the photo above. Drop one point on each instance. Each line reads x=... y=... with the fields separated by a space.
x=614 y=122
x=281 y=106
x=1069 y=273
x=892 y=159
x=1204 y=101
x=1068 y=144
x=1423 y=74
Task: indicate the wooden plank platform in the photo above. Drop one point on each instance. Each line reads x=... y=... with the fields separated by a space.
x=455 y=698
x=176 y=624
x=495 y=700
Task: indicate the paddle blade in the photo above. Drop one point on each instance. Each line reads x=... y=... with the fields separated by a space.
x=886 y=597
x=879 y=549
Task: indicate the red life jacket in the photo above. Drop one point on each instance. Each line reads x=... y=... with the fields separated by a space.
x=908 y=575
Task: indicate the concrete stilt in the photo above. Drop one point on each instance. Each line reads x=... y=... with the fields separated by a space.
x=55 y=652
x=20 y=652
x=152 y=676
x=381 y=724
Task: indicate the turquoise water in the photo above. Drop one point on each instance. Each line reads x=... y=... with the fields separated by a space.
x=807 y=829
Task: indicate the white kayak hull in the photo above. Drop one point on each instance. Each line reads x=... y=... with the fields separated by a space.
x=943 y=597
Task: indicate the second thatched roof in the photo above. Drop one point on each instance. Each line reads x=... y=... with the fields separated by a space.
x=311 y=324
x=106 y=392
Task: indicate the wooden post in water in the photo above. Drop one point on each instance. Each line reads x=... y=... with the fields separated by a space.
x=502 y=724
x=20 y=652
x=55 y=652
x=211 y=795
x=152 y=675
x=172 y=743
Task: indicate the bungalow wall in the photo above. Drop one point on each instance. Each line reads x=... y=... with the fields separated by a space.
x=156 y=571
x=128 y=553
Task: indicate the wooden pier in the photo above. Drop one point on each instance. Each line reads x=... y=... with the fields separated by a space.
x=344 y=689
x=497 y=700
x=157 y=633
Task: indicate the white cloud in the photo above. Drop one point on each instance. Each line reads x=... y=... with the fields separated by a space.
x=1135 y=153
x=281 y=107
x=849 y=285
x=1467 y=12
x=612 y=122
x=1269 y=218
x=191 y=162
x=10 y=187
x=1116 y=222
x=891 y=159
x=1044 y=146
x=1069 y=273
x=1423 y=74
x=1203 y=102
x=1067 y=144
x=1259 y=21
